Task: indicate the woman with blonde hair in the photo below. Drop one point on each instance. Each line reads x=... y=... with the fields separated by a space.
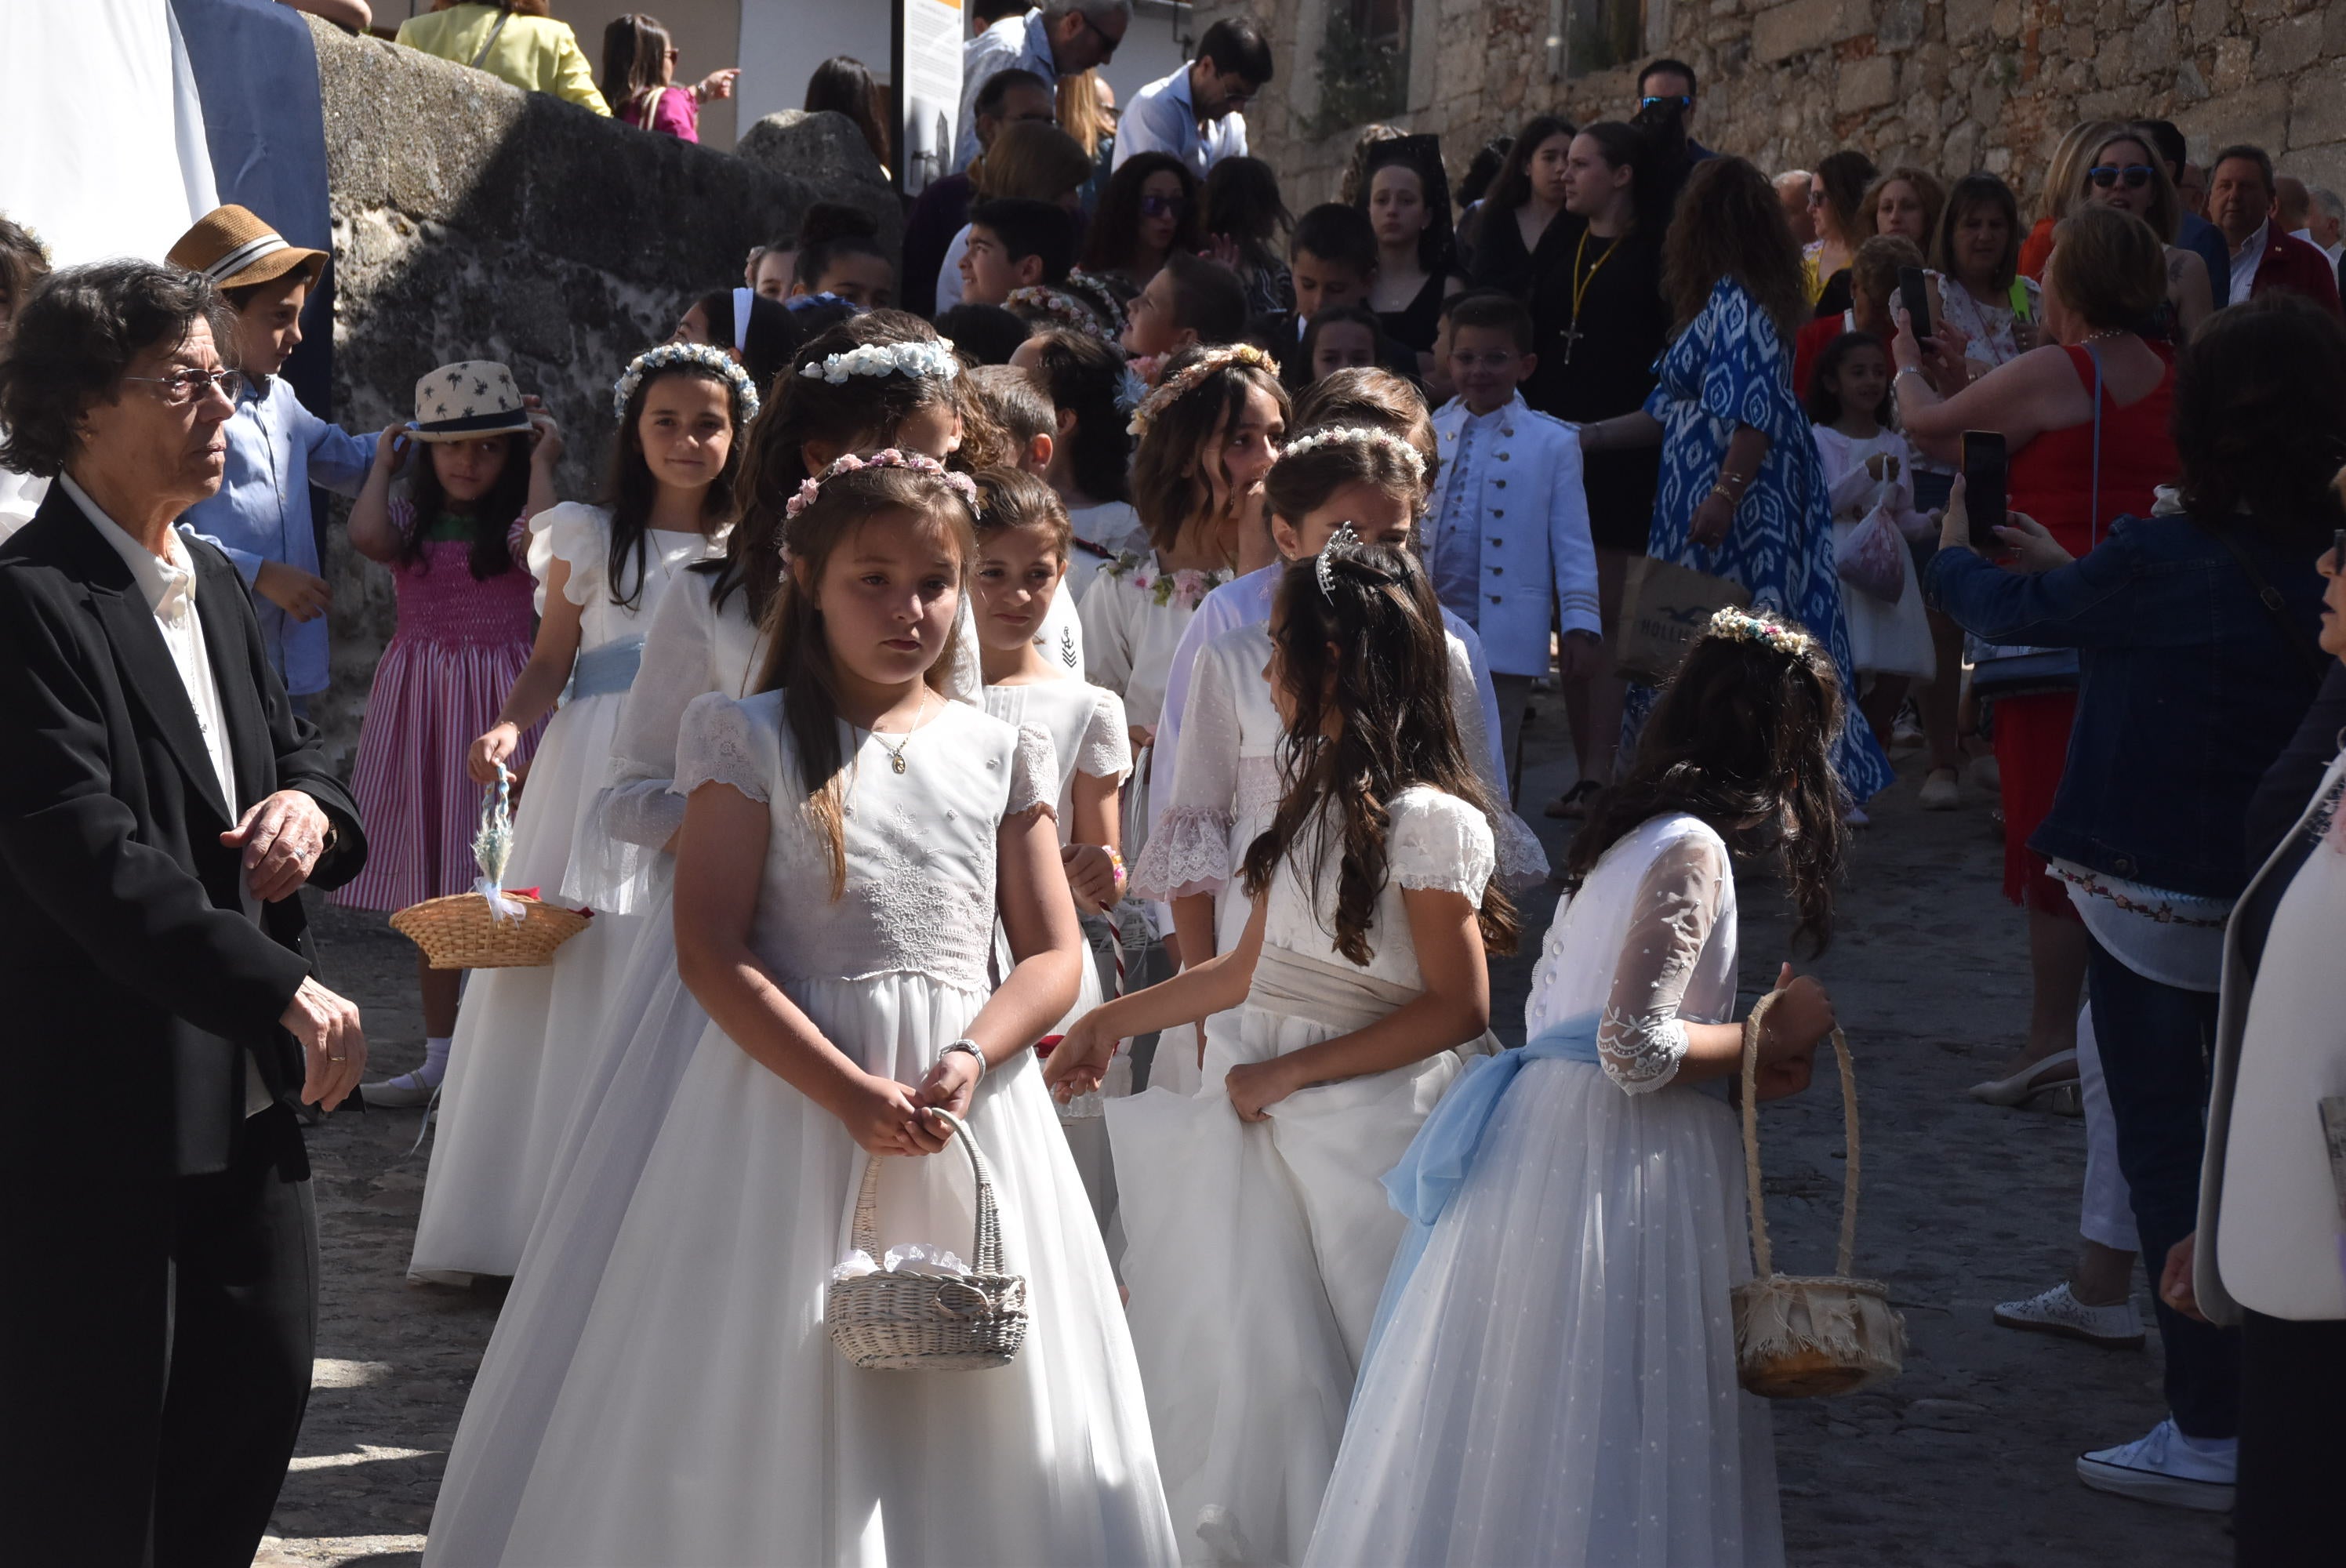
x=516 y=41
x=2063 y=172
x=2124 y=171
x=1086 y=106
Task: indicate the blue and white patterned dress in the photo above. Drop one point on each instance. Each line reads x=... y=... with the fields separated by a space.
x=1730 y=368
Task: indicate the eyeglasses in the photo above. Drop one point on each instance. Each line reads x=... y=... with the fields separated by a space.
x=185 y=386
x=1106 y=45
x=2136 y=174
x=1683 y=100
x=1163 y=206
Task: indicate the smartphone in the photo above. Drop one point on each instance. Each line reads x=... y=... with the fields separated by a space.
x=1914 y=289
x=1984 y=486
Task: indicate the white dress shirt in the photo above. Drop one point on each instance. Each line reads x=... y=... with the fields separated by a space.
x=169 y=586
x=1162 y=118
x=1454 y=550
x=2245 y=260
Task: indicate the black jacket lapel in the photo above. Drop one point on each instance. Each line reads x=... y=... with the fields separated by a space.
x=222 y=606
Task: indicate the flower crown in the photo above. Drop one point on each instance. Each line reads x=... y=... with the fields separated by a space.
x=1343 y=540
x=918 y=463
x=1743 y=626
x=1178 y=387
x=1059 y=308
x=931 y=357
x=1404 y=452
x=700 y=356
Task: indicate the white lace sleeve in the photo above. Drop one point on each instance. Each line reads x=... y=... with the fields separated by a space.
x=1439 y=844
x=1639 y=1037
x=1105 y=749
x=1188 y=847
x=1523 y=863
x=716 y=746
x=578 y=536
x=1034 y=774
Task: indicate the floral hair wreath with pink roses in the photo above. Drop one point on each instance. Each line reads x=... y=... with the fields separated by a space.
x=917 y=462
x=1178 y=386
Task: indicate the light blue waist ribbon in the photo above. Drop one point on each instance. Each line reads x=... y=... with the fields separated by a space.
x=1442 y=1156
x=606 y=671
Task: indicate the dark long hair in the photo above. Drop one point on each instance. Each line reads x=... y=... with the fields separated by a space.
x=1654 y=150
x=798 y=660
x=1115 y=233
x=1243 y=206
x=635 y=58
x=1741 y=737
x=858 y=415
x=1371 y=650
x=844 y=84
x=1824 y=404
x=1513 y=188
x=1729 y=224
x=2259 y=419
x=1437 y=246
x=768 y=339
x=492 y=516
x=1083 y=376
x=630 y=490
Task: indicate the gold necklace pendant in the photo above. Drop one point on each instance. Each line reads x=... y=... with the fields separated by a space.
x=896 y=760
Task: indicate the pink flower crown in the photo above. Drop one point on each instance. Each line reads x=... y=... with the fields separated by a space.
x=918 y=463
x=1743 y=626
x=1212 y=360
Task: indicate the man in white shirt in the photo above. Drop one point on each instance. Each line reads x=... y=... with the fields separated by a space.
x=1058 y=38
x=1196 y=114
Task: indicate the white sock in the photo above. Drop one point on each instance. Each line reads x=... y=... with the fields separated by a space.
x=435 y=1060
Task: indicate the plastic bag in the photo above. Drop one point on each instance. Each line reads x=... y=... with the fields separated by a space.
x=1872 y=558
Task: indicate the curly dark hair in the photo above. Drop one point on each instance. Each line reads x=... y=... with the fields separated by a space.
x=1741 y=737
x=1730 y=225
x=1114 y=239
x=2259 y=419
x=1373 y=652
x=860 y=414
x=76 y=337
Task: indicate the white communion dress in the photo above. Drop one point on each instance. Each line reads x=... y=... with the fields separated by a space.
x=637 y=1054
x=706 y=1418
x=516 y=1069
x=1255 y=1251
x=1553 y=1382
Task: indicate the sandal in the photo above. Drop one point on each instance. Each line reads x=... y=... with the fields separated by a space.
x=2030 y=1080
x=1573 y=804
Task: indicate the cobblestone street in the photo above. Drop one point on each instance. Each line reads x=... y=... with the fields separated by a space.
x=1966 y=1462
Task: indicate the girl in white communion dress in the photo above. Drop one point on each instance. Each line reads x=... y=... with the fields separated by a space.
x=851 y=841
x=1258 y=1235
x=1552 y=1379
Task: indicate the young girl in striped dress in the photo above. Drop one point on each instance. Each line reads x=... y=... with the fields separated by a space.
x=602 y=571
x=457 y=546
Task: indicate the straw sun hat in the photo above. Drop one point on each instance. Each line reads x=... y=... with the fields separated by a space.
x=466 y=400
x=235 y=248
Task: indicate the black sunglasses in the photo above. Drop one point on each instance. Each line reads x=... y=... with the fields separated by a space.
x=1107 y=45
x=1164 y=205
x=1684 y=101
x=2136 y=174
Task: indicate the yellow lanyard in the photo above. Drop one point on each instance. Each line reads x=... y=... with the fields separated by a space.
x=1571 y=333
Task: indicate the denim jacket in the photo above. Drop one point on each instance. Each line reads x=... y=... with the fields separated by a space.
x=2186 y=690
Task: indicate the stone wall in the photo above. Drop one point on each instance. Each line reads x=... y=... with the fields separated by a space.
x=472 y=221
x=1952 y=85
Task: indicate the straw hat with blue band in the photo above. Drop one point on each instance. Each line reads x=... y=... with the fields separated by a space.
x=234 y=249
x=466 y=400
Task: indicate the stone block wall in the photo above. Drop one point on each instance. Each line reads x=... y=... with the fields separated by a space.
x=473 y=220
x=1952 y=85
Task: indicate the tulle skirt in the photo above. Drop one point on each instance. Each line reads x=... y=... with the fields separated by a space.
x=706 y=1418
x=1555 y=1384
x=1255 y=1255
x=523 y=1034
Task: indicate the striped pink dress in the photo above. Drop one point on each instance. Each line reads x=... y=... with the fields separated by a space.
x=461 y=645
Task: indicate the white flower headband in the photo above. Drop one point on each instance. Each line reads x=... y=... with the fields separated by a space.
x=1178 y=387
x=1743 y=626
x=1358 y=435
x=1345 y=539
x=918 y=463
x=931 y=358
x=700 y=356
x=1061 y=308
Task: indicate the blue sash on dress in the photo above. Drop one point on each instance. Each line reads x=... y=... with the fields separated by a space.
x=602 y=671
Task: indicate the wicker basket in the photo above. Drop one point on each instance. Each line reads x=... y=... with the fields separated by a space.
x=897 y=1319
x=1806 y=1335
x=459 y=932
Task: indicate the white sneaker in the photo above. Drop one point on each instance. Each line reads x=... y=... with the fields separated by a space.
x=405 y=1092
x=2167 y=1467
x=1942 y=792
x=2056 y=1311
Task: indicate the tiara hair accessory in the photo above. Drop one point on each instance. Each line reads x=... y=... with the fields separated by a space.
x=933 y=357
x=917 y=462
x=700 y=356
x=1743 y=626
x=1178 y=387
x=1358 y=435
x=1345 y=539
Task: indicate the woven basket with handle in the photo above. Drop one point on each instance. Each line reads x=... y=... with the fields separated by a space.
x=1802 y=1337
x=899 y=1319
x=462 y=931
